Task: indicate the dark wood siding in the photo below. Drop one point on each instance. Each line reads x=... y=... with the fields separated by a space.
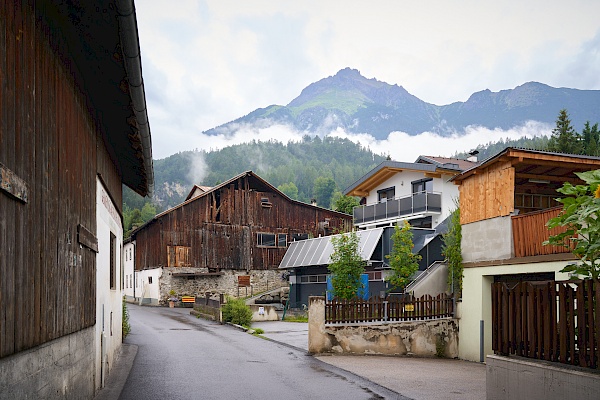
x=47 y=139
x=221 y=227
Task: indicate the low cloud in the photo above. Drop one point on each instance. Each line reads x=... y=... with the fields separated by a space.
x=399 y=145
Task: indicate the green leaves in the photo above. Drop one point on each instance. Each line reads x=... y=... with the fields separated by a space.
x=402 y=261
x=452 y=251
x=346 y=266
x=579 y=217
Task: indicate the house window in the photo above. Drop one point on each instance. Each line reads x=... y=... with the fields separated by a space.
x=149 y=280
x=386 y=194
x=282 y=240
x=113 y=261
x=375 y=276
x=265 y=240
x=422 y=185
x=420 y=222
x=313 y=279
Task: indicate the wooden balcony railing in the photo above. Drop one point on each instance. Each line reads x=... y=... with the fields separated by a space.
x=530 y=231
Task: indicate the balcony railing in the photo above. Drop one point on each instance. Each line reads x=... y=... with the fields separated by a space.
x=399 y=207
x=530 y=231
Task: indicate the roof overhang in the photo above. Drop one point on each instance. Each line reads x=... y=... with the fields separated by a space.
x=98 y=43
x=537 y=166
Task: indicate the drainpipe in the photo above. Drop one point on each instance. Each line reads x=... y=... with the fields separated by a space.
x=130 y=46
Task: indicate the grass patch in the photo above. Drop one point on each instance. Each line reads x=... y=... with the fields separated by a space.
x=296 y=318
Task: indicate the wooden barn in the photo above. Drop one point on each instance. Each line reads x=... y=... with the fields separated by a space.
x=73 y=130
x=241 y=227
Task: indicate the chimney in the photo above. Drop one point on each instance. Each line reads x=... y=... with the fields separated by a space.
x=473 y=156
x=313 y=202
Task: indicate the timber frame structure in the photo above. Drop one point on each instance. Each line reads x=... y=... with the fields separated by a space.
x=242 y=224
x=517 y=181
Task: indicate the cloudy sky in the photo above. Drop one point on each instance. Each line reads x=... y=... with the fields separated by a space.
x=206 y=63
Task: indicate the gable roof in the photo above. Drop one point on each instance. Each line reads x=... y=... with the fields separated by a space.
x=388 y=168
x=447 y=163
x=317 y=251
x=537 y=164
x=99 y=43
x=202 y=190
x=258 y=183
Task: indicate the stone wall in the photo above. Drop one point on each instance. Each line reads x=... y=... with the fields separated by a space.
x=60 y=369
x=226 y=283
x=421 y=338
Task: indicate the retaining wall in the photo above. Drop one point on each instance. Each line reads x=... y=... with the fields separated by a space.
x=421 y=338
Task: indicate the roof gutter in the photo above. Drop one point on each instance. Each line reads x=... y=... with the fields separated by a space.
x=133 y=66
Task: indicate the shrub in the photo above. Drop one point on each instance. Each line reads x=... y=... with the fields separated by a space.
x=237 y=312
x=125 y=321
x=259 y=331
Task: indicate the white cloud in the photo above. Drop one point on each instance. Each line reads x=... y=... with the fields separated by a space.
x=206 y=63
x=399 y=145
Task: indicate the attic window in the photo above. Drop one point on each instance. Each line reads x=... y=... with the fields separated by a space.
x=265 y=203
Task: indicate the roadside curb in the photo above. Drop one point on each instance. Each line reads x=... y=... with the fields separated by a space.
x=113 y=386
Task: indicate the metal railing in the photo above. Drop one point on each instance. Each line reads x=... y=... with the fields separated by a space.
x=399 y=207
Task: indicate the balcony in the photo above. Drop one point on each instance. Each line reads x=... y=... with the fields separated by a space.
x=530 y=230
x=402 y=207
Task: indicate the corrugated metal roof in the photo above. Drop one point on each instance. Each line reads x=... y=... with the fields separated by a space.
x=318 y=251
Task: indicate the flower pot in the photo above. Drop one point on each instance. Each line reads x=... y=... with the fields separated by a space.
x=171 y=304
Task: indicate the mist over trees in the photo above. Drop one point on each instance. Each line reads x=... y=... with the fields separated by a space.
x=313 y=168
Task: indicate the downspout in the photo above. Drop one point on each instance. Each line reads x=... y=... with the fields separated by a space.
x=133 y=66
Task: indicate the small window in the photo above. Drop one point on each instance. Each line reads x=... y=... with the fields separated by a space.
x=282 y=240
x=422 y=185
x=386 y=194
x=265 y=240
x=150 y=280
x=375 y=276
x=313 y=279
x=113 y=261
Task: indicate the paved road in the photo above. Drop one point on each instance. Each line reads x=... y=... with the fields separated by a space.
x=181 y=357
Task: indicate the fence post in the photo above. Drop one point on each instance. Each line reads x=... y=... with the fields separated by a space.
x=385 y=310
x=481 y=341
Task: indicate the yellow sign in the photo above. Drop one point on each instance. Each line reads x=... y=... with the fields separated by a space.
x=409 y=307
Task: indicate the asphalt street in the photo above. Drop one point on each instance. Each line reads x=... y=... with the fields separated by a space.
x=182 y=357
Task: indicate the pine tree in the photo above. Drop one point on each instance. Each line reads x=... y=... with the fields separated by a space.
x=564 y=138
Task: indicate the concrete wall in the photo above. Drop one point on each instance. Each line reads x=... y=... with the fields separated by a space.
x=421 y=338
x=433 y=284
x=109 y=300
x=477 y=302
x=61 y=369
x=487 y=240
x=268 y=313
x=511 y=378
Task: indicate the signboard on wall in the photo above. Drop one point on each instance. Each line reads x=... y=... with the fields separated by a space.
x=243 y=280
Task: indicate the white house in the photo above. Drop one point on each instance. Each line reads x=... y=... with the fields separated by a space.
x=418 y=192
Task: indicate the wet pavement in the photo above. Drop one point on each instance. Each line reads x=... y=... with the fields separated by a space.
x=404 y=377
x=413 y=377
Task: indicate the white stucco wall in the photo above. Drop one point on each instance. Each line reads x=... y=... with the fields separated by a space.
x=128 y=267
x=487 y=240
x=477 y=302
x=148 y=292
x=108 y=301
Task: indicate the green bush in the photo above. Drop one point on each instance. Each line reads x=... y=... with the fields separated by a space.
x=259 y=331
x=125 y=321
x=237 y=312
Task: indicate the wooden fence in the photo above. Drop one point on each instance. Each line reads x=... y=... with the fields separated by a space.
x=553 y=321
x=530 y=231
x=391 y=310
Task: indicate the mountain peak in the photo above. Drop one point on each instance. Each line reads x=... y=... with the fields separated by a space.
x=349 y=73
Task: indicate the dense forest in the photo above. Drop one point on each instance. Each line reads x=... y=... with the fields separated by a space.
x=313 y=168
